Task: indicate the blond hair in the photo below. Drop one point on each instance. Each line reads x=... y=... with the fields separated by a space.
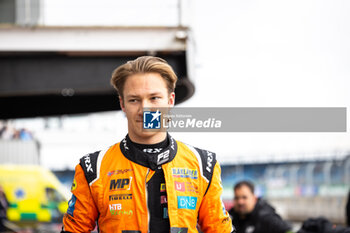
x=144 y=64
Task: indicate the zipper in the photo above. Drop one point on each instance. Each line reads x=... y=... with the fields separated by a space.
x=148 y=213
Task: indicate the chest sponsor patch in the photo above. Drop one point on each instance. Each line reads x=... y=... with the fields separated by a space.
x=186 y=202
x=117 y=209
x=180 y=186
x=185 y=187
x=120 y=171
x=120 y=197
x=120 y=184
x=185 y=173
x=162 y=187
x=163 y=199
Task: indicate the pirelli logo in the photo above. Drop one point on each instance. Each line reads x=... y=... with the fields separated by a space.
x=120 y=184
x=120 y=197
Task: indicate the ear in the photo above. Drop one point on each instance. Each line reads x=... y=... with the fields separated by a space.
x=121 y=102
x=171 y=101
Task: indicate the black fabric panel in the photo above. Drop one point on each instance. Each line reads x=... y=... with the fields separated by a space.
x=208 y=163
x=89 y=165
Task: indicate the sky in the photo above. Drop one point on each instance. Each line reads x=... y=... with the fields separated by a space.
x=246 y=53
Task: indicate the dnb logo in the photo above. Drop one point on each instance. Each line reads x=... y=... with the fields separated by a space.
x=186 y=202
x=151 y=120
x=71 y=205
x=120 y=184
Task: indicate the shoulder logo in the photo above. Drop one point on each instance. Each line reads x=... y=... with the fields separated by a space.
x=209 y=161
x=74 y=185
x=88 y=163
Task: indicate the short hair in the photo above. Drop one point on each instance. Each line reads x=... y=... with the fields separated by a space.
x=144 y=64
x=246 y=183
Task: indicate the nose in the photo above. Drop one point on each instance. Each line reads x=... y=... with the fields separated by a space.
x=143 y=104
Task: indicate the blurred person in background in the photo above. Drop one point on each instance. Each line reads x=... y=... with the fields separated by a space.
x=4 y=204
x=251 y=214
x=348 y=210
x=148 y=182
x=321 y=225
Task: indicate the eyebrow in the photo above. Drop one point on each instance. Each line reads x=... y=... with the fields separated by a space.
x=132 y=96
x=137 y=96
x=156 y=93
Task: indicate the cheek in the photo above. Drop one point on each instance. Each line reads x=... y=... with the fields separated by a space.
x=129 y=110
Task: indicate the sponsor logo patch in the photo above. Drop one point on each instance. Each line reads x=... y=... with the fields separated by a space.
x=180 y=186
x=185 y=173
x=163 y=157
x=165 y=213
x=152 y=150
x=125 y=144
x=71 y=205
x=115 y=206
x=121 y=212
x=209 y=161
x=186 y=202
x=88 y=163
x=74 y=185
x=162 y=187
x=115 y=197
x=120 y=171
x=163 y=200
x=178 y=230
x=185 y=186
x=117 y=209
x=120 y=184
x=191 y=187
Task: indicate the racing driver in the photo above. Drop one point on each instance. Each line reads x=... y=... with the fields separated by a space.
x=148 y=182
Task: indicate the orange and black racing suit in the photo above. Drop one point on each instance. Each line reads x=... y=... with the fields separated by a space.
x=111 y=187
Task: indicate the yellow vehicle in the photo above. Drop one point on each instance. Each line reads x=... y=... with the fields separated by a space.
x=34 y=193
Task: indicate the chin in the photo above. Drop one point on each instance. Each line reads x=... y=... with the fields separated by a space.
x=146 y=134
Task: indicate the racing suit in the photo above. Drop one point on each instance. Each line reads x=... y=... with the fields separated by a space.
x=110 y=187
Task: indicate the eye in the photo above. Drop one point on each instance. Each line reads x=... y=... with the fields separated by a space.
x=132 y=100
x=155 y=98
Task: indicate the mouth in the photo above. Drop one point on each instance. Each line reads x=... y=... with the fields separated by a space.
x=138 y=122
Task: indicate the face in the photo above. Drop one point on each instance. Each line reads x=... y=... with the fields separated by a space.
x=244 y=201
x=145 y=90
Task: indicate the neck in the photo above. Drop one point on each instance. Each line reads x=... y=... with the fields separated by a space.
x=151 y=139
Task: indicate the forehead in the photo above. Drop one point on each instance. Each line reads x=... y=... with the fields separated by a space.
x=243 y=190
x=144 y=83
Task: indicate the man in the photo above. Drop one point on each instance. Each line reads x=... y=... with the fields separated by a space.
x=4 y=204
x=348 y=210
x=253 y=215
x=149 y=182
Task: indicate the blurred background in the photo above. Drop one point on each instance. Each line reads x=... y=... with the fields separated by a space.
x=56 y=103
